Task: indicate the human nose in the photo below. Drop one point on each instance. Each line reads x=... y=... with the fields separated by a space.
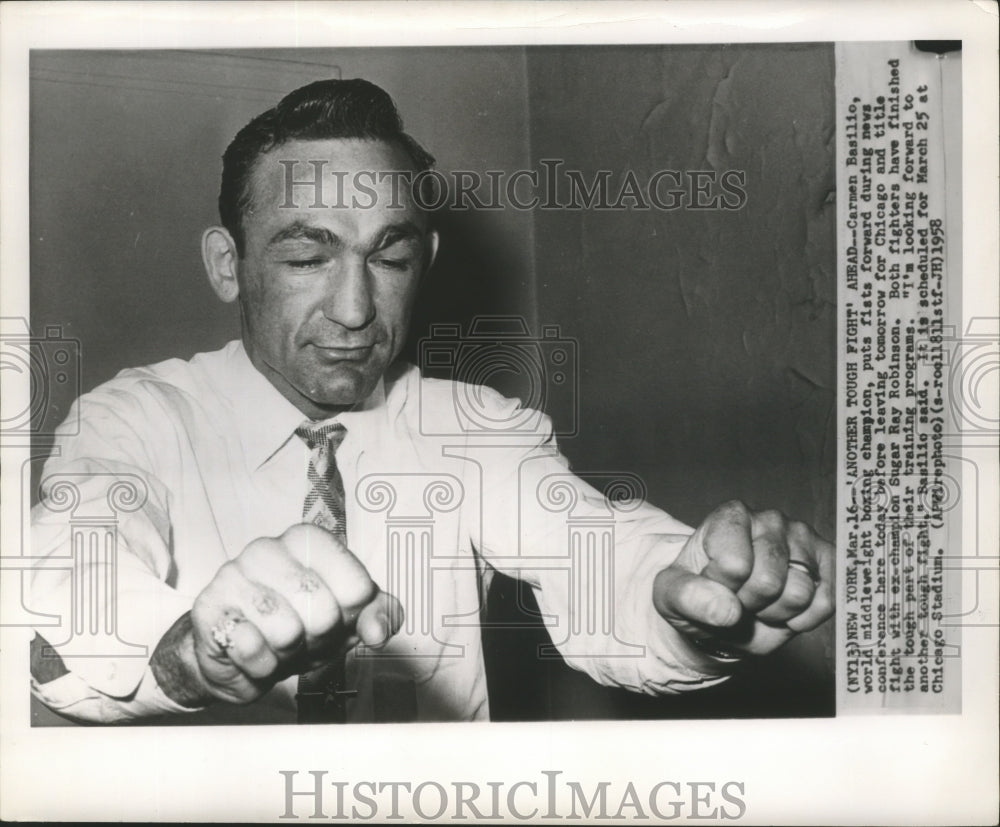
x=349 y=301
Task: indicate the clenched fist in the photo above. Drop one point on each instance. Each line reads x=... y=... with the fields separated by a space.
x=284 y=606
x=747 y=582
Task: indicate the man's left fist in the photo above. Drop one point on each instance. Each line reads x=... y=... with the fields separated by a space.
x=746 y=582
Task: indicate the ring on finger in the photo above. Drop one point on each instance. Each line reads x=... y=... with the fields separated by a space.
x=221 y=633
x=806 y=568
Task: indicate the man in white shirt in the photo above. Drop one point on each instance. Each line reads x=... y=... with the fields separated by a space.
x=260 y=567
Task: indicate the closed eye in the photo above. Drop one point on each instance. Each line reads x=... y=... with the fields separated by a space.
x=305 y=264
x=392 y=263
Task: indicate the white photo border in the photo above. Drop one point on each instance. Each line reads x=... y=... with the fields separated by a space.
x=909 y=769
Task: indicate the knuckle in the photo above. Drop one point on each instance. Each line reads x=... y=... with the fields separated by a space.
x=258 y=662
x=687 y=590
x=733 y=511
x=773 y=552
x=228 y=571
x=202 y=611
x=768 y=583
x=308 y=581
x=284 y=636
x=264 y=556
x=281 y=630
x=823 y=603
x=260 y=549
x=822 y=550
x=265 y=600
x=799 y=532
x=737 y=566
x=798 y=593
x=296 y=534
x=773 y=521
x=226 y=583
x=303 y=536
x=357 y=589
x=321 y=622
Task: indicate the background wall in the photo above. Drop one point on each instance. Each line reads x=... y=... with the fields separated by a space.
x=705 y=337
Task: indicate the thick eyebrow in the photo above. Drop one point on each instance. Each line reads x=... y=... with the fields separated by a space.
x=403 y=231
x=300 y=231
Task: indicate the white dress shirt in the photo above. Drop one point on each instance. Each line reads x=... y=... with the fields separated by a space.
x=175 y=467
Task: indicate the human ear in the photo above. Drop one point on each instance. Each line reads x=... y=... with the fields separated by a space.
x=218 y=252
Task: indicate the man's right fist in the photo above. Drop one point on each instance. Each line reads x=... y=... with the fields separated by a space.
x=285 y=606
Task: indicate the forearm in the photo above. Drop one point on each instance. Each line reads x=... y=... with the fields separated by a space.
x=598 y=607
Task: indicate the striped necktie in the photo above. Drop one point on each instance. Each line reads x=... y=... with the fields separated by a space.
x=322 y=694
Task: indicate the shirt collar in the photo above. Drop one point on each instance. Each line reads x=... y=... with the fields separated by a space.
x=266 y=420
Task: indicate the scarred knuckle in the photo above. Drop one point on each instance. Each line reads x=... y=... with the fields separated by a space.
x=264 y=600
x=308 y=581
x=774 y=551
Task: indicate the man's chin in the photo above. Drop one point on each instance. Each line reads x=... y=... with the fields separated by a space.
x=348 y=389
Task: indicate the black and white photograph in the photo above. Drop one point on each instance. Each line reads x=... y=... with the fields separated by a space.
x=596 y=407
x=601 y=263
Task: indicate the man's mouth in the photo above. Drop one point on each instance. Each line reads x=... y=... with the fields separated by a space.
x=344 y=354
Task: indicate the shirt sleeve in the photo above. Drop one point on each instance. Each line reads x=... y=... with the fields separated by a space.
x=101 y=535
x=590 y=555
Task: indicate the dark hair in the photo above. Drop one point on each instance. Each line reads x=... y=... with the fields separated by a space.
x=318 y=111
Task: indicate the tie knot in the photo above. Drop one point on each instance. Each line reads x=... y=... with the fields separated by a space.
x=328 y=436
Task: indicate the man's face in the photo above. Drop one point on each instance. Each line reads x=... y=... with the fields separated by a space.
x=326 y=291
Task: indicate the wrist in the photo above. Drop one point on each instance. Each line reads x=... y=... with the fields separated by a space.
x=175 y=666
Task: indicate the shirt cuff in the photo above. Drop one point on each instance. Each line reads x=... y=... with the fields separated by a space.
x=72 y=697
x=674 y=663
x=115 y=664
